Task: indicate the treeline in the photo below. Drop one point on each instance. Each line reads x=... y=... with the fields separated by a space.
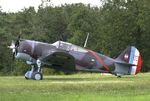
x=112 y=27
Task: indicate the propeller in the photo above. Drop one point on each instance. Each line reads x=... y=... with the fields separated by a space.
x=14 y=46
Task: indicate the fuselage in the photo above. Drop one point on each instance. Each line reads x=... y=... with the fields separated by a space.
x=85 y=60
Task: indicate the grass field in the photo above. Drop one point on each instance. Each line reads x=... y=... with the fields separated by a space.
x=77 y=87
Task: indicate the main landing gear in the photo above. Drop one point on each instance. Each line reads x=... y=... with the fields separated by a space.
x=33 y=74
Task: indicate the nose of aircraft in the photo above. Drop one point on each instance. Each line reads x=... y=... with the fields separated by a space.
x=14 y=46
x=14 y=49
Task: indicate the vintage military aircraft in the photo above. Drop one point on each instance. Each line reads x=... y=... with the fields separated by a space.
x=69 y=58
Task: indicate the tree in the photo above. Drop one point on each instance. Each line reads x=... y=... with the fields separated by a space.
x=112 y=27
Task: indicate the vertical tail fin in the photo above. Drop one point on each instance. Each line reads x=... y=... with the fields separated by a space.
x=132 y=57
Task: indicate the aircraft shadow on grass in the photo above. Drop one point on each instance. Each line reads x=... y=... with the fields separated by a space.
x=69 y=79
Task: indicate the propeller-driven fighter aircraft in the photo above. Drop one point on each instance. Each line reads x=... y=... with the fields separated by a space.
x=70 y=58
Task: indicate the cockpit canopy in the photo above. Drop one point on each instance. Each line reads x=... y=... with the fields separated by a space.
x=68 y=46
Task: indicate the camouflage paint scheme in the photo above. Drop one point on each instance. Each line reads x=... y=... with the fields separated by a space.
x=71 y=58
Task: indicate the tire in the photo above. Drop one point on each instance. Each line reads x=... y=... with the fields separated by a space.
x=28 y=75
x=118 y=76
x=37 y=76
x=26 y=78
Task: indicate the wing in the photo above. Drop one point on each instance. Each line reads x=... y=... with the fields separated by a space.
x=61 y=60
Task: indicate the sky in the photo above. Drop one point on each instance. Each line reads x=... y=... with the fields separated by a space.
x=18 y=5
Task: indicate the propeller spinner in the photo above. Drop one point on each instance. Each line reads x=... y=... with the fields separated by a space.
x=14 y=46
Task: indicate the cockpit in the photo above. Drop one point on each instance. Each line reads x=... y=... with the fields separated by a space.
x=68 y=46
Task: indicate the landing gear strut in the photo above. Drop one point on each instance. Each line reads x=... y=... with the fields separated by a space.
x=35 y=75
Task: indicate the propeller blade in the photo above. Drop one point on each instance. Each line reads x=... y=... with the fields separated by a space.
x=13 y=50
x=14 y=46
x=13 y=56
x=17 y=41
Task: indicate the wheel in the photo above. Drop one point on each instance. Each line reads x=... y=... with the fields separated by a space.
x=26 y=78
x=37 y=76
x=118 y=76
x=28 y=75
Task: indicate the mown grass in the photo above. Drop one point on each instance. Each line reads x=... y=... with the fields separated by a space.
x=77 y=87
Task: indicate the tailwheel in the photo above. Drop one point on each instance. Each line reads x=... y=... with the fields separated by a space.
x=37 y=76
x=118 y=76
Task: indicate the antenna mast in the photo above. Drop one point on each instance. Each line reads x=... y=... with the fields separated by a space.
x=87 y=37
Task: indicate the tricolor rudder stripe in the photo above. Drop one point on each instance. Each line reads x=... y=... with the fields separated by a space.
x=136 y=60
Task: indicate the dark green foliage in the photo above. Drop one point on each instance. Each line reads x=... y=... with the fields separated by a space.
x=112 y=27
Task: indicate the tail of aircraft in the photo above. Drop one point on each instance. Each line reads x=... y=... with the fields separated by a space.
x=128 y=62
